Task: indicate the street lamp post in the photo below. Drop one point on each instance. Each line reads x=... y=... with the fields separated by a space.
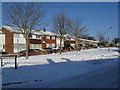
x=109 y=39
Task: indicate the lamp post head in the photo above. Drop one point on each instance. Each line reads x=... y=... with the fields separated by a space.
x=110 y=27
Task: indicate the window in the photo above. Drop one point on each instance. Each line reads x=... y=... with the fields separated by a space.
x=35 y=46
x=50 y=45
x=37 y=36
x=50 y=37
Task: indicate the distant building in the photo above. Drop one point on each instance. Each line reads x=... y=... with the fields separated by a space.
x=88 y=42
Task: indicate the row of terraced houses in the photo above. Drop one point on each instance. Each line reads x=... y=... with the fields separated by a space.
x=12 y=40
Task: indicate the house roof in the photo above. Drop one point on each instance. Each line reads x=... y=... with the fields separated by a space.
x=67 y=35
x=49 y=33
x=17 y=30
x=88 y=40
x=45 y=33
x=12 y=29
x=1 y=32
x=38 y=32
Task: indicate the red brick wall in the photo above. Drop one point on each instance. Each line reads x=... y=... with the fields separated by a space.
x=35 y=41
x=9 y=46
x=51 y=41
x=47 y=41
x=55 y=42
x=73 y=42
x=43 y=44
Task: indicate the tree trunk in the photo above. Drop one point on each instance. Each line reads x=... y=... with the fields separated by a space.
x=76 y=44
x=100 y=45
x=60 y=44
x=27 y=56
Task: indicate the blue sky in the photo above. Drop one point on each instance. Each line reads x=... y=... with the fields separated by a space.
x=0 y=14
x=97 y=16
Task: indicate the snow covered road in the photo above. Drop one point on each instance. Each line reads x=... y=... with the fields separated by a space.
x=70 y=69
x=105 y=77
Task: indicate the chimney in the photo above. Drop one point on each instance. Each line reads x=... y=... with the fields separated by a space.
x=44 y=29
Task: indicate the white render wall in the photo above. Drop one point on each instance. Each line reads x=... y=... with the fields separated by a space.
x=72 y=39
x=2 y=41
x=52 y=45
x=19 y=38
x=19 y=42
x=33 y=36
x=58 y=42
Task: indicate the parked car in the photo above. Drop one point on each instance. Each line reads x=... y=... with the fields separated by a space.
x=1 y=52
x=30 y=52
x=56 y=48
x=95 y=46
x=49 y=49
x=118 y=50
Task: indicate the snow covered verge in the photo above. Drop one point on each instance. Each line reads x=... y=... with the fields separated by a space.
x=63 y=70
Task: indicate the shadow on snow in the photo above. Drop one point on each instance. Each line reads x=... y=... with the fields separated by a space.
x=46 y=71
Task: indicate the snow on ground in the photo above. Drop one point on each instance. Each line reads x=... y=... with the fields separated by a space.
x=51 y=68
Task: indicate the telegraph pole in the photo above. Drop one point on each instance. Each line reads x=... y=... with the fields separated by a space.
x=109 y=39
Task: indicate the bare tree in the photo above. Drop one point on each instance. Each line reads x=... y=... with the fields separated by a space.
x=116 y=40
x=77 y=29
x=26 y=16
x=101 y=37
x=61 y=24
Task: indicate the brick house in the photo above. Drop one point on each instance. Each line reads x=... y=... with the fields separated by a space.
x=43 y=39
x=70 y=39
x=13 y=41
